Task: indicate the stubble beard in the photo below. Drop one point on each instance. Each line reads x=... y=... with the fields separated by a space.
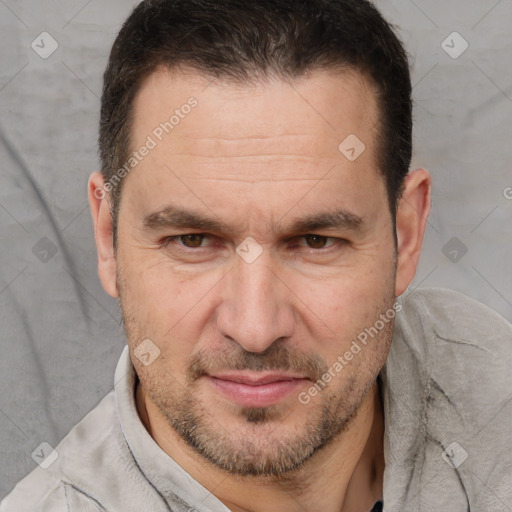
x=258 y=446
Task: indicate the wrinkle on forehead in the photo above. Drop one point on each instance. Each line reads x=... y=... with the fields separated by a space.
x=270 y=133
x=323 y=104
x=238 y=179
x=308 y=147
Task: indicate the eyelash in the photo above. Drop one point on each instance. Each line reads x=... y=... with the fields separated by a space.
x=171 y=240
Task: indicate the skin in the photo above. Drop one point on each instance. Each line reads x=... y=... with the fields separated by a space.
x=258 y=157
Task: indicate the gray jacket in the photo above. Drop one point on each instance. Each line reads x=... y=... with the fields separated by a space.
x=447 y=393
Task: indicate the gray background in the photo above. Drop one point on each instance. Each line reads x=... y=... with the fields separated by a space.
x=61 y=334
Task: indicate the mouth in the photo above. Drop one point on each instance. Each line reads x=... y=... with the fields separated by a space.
x=256 y=389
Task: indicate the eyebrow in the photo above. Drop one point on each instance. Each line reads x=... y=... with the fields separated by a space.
x=180 y=218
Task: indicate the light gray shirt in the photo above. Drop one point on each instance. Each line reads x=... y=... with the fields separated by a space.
x=447 y=395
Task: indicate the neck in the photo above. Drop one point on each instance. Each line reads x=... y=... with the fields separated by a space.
x=345 y=476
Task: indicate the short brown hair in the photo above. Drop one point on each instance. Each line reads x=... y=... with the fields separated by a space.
x=240 y=39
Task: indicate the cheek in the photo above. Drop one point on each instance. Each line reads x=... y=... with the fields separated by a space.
x=341 y=308
x=160 y=306
x=351 y=296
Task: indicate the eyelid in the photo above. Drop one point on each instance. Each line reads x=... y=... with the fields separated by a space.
x=170 y=239
x=315 y=234
x=337 y=241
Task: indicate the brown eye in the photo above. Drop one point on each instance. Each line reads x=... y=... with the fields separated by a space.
x=316 y=241
x=192 y=241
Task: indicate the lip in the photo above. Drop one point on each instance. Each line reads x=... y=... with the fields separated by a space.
x=256 y=389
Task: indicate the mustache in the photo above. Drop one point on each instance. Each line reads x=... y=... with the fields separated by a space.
x=276 y=357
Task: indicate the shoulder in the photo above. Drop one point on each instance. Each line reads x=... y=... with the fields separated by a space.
x=455 y=334
x=454 y=316
x=95 y=470
x=57 y=497
x=448 y=402
x=461 y=345
x=60 y=482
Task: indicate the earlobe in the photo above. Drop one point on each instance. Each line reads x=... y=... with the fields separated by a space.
x=412 y=216
x=99 y=202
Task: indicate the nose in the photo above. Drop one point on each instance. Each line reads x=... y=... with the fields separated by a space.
x=257 y=305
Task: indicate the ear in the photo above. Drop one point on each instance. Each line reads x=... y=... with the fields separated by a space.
x=99 y=201
x=412 y=215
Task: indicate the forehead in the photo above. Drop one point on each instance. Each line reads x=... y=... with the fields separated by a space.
x=255 y=149
x=311 y=115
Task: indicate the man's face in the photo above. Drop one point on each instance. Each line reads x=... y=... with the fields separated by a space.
x=241 y=337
